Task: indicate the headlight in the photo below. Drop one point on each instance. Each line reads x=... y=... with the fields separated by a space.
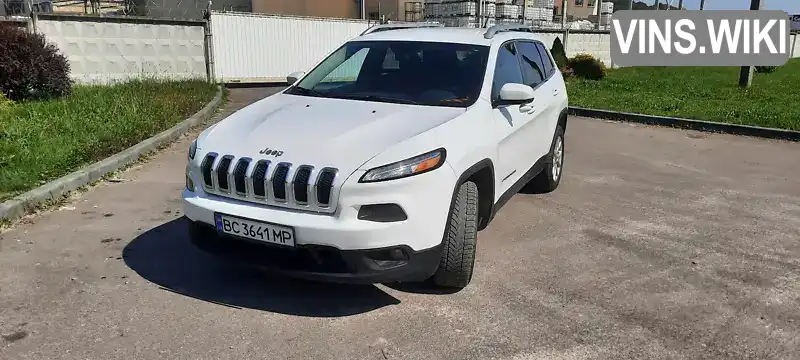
x=189 y=183
x=409 y=167
x=192 y=150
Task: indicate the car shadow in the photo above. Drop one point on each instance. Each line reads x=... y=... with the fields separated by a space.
x=425 y=288
x=530 y=189
x=165 y=256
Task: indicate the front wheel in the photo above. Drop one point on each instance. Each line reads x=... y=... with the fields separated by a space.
x=458 y=248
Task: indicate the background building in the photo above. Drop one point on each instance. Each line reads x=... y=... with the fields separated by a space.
x=577 y=9
x=318 y=8
x=396 y=10
x=24 y=7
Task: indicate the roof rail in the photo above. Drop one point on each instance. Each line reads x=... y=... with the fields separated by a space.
x=384 y=27
x=494 y=30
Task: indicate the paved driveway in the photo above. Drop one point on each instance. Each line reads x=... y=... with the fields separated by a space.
x=660 y=244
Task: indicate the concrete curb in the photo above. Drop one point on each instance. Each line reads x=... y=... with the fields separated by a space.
x=29 y=201
x=700 y=125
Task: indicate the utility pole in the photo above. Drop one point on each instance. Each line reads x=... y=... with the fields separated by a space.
x=746 y=74
x=363 y=9
x=702 y=4
x=680 y=4
x=563 y=14
x=630 y=5
x=479 y=13
x=656 y=5
x=524 y=12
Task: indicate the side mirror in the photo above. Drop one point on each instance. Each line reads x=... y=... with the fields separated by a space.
x=293 y=77
x=515 y=94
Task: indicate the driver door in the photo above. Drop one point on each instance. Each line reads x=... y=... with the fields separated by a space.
x=512 y=123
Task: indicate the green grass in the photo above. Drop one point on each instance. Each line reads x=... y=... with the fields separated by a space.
x=702 y=93
x=43 y=140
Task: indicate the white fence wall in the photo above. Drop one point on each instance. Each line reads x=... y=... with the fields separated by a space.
x=265 y=48
x=251 y=48
x=595 y=44
x=104 y=51
x=246 y=47
x=795 y=45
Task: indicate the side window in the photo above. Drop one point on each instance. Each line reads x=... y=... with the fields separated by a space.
x=549 y=67
x=532 y=67
x=507 y=69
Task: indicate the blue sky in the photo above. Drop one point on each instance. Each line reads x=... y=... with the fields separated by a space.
x=790 y=6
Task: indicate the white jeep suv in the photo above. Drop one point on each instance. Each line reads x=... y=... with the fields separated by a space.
x=383 y=162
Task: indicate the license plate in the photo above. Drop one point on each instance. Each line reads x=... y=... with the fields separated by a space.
x=256 y=230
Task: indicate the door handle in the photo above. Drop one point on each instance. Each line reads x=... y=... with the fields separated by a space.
x=527 y=108
x=555 y=92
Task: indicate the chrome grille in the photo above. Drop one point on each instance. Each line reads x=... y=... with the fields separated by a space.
x=222 y=173
x=279 y=181
x=301 y=185
x=239 y=174
x=259 y=176
x=324 y=186
x=206 y=168
x=281 y=184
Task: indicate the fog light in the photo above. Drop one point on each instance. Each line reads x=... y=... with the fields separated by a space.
x=189 y=183
x=397 y=254
x=389 y=257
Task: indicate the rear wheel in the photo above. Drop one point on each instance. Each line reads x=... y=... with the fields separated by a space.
x=550 y=177
x=458 y=248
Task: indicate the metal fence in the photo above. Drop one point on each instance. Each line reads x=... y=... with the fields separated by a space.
x=538 y=14
x=227 y=46
x=251 y=47
x=162 y=9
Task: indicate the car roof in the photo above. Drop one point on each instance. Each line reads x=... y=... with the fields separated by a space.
x=472 y=36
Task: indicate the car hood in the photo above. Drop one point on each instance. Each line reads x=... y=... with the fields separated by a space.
x=321 y=131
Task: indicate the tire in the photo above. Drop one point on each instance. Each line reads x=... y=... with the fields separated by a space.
x=458 y=246
x=548 y=180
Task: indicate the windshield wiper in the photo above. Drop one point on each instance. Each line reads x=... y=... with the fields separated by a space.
x=306 y=91
x=378 y=98
x=454 y=101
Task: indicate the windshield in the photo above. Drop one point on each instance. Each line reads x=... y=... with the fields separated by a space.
x=408 y=72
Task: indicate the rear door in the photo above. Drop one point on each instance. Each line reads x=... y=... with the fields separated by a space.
x=538 y=75
x=556 y=84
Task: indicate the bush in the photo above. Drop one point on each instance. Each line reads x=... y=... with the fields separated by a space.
x=4 y=102
x=559 y=54
x=766 y=69
x=30 y=67
x=587 y=67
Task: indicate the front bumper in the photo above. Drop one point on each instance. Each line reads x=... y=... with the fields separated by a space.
x=422 y=198
x=316 y=262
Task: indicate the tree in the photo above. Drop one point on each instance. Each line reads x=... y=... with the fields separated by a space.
x=559 y=54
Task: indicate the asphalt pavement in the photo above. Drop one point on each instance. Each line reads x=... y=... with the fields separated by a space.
x=659 y=244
